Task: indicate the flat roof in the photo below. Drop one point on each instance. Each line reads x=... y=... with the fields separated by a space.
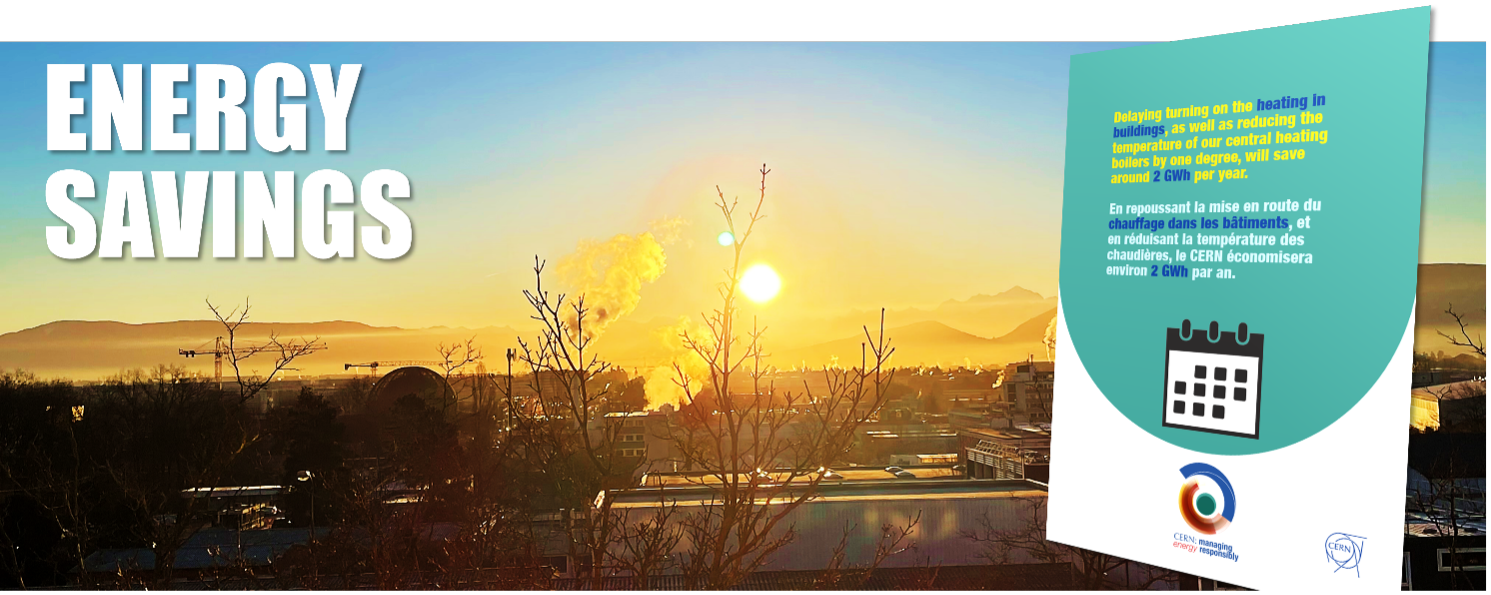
x=947 y=489
x=1451 y=391
x=616 y=414
x=850 y=474
x=1015 y=433
x=210 y=547
x=230 y=491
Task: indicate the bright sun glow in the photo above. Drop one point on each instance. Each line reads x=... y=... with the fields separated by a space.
x=760 y=283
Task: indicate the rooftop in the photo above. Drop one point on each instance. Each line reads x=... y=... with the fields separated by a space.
x=208 y=548
x=1452 y=391
x=621 y=414
x=848 y=474
x=1017 y=577
x=1421 y=524
x=942 y=489
x=233 y=491
x=1024 y=432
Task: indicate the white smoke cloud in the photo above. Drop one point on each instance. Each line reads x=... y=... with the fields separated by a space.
x=610 y=274
x=1050 y=340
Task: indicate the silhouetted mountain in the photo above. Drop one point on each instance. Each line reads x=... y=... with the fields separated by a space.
x=1013 y=294
x=982 y=315
x=1031 y=331
x=983 y=329
x=1441 y=286
x=931 y=342
x=96 y=349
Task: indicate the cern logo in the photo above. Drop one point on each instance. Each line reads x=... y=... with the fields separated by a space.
x=1345 y=551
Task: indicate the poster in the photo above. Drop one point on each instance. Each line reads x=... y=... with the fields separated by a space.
x=1240 y=230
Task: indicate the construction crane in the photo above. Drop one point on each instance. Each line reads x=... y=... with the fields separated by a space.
x=220 y=349
x=373 y=366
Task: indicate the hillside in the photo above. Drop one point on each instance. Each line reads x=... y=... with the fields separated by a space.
x=90 y=350
x=1441 y=286
x=931 y=343
x=983 y=329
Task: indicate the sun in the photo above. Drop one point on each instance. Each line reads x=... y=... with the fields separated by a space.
x=760 y=283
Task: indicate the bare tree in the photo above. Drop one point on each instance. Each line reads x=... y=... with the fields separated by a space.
x=841 y=575
x=1471 y=397
x=558 y=425
x=1478 y=344
x=170 y=432
x=644 y=548
x=1028 y=541
x=765 y=450
x=1443 y=494
x=454 y=359
x=41 y=459
x=284 y=351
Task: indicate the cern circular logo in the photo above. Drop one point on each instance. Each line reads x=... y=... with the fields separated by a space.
x=1345 y=551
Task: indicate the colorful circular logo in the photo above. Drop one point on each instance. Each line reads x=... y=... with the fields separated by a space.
x=1207 y=502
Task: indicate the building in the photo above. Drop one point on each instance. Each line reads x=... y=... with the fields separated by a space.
x=1018 y=453
x=1438 y=562
x=963 y=418
x=1056 y=576
x=856 y=511
x=638 y=434
x=948 y=459
x=937 y=471
x=208 y=551
x=971 y=398
x=239 y=507
x=1444 y=541
x=1449 y=405
x=1026 y=389
x=879 y=443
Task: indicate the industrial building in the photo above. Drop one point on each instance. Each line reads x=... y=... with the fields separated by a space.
x=944 y=509
x=1015 y=453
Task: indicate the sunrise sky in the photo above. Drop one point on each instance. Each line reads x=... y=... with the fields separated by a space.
x=902 y=175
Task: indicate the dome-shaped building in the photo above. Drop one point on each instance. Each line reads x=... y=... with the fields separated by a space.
x=424 y=383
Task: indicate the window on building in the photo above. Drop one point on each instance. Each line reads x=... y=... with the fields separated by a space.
x=1407 y=573
x=560 y=564
x=1473 y=558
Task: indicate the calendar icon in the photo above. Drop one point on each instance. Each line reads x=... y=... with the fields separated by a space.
x=1213 y=380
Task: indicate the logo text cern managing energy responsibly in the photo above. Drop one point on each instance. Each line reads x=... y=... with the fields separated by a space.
x=1208 y=504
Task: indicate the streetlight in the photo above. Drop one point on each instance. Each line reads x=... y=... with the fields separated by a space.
x=304 y=476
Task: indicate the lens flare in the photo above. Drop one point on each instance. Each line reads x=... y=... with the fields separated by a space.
x=760 y=283
x=726 y=239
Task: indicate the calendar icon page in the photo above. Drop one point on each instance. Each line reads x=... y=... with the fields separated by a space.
x=1213 y=386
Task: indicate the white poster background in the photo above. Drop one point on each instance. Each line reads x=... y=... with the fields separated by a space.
x=1115 y=488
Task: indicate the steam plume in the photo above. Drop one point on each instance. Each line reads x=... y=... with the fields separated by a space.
x=610 y=274
x=662 y=381
x=1050 y=340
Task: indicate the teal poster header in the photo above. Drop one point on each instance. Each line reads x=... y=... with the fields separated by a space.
x=1260 y=215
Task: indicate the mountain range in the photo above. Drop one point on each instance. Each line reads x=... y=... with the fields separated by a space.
x=983 y=329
